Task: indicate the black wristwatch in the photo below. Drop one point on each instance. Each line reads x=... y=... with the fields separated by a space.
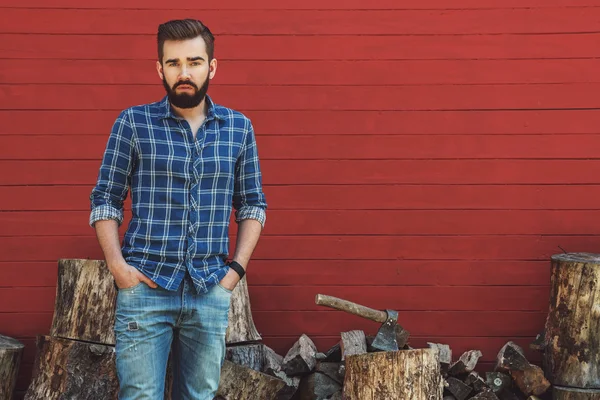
x=237 y=268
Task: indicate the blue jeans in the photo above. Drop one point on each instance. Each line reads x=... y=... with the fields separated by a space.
x=149 y=322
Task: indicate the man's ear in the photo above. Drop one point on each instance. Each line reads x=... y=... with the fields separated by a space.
x=212 y=68
x=159 y=69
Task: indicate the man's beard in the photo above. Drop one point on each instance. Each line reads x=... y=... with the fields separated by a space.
x=185 y=100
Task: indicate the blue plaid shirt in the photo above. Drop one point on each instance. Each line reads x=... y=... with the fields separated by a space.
x=182 y=190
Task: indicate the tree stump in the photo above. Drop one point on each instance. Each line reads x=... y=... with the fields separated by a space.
x=85 y=305
x=405 y=374
x=564 y=393
x=241 y=328
x=572 y=333
x=11 y=352
x=67 y=369
x=85 y=302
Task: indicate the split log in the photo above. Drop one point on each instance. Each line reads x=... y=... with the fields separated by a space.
x=508 y=395
x=250 y=355
x=239 y=382
x=353 y=342
x=476 y=382
x=565 y=393
x=511 y=357
x=85 y=305
x=300 y=359
x=67 y=369
x=317 y=386
x=465 y=364
x=407 y=375
x=498 y=381
x=529 y=378
x=485 y=395
x=260 y=358
x=459 y=389
x=572 y=331
x=11 y=352
x=334 y=354
x=445 y=354
x=335 y=371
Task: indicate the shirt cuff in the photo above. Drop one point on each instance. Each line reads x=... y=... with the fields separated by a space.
x=105 y=212
x=251 y=212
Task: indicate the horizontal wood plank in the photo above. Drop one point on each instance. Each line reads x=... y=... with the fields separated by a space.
x=309 y=22
x=328 y=323
x=337 y=147
x=302 y=298
x=488 y=247
x=347 y=222
x=418 y=323
x=344 y=172
x=342 y=272
x=317 y=122
x=393 y=98
x=349 y=197
x=304 y=5
x=327 y=73
x=317 y=47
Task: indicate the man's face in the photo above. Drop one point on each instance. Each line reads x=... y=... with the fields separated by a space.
x=186 y=71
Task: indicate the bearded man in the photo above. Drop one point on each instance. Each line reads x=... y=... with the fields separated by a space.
x=187 y=163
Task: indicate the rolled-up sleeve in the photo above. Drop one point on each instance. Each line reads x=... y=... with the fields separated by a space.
x=115 y=173
x=248 y=197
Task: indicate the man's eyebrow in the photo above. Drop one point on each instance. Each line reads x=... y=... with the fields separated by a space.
x=197 y=58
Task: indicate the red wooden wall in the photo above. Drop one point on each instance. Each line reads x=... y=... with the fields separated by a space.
x=427 y=156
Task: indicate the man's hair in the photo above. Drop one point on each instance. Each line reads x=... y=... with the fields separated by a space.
x=182 y=29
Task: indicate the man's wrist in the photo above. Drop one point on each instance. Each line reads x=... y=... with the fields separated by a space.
x=237 y=267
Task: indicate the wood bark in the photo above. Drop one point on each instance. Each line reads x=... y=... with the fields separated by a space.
x=242 y=383
x=67 y=369
x=444 y=354
x=251 y=356
x=11 y=352
x=85 y=305
x=241 y=328
x=459 y=389
x=564 y=393
x=260 y=358
x=572 y=332
x=85 y=302
x=353 y=342
x=407 y=375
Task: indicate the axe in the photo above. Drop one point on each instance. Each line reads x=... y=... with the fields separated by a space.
x=390 y=337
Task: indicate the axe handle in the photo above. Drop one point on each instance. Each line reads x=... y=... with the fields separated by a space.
x=352 y=308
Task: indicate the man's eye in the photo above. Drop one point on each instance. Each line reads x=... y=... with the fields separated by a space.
x=195 y=63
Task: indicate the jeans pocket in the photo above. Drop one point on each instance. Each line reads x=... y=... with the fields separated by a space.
x=224 y=289
x=131 y=288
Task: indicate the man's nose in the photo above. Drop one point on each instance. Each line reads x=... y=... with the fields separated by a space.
x=184 y=74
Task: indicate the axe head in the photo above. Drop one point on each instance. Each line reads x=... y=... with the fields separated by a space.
x=390 y=333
